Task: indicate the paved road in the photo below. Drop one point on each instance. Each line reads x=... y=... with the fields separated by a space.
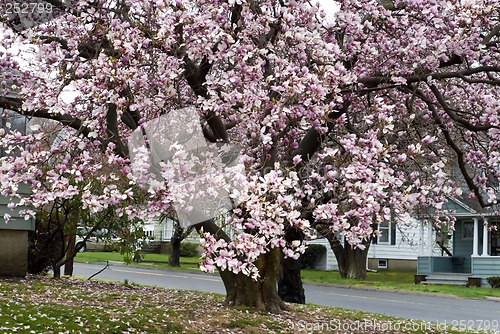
x=172 y=279
x=444 y=310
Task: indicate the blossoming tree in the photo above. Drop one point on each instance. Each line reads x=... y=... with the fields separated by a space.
x=344 y=121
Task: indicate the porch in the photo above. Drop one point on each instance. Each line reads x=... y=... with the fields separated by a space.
x=427 y=265
x=465 y=265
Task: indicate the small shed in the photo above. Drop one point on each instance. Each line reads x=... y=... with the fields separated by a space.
x=13 y=233
x=14 y=240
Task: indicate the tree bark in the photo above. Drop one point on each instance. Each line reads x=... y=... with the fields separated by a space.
x=242 y=290
x=355 y=262
x=290 y=287
x=56 y=268
x=261 y=294
x=179 y=234
x=68 y=266
x=59 y=252
x=351 y=261
x=175 y=247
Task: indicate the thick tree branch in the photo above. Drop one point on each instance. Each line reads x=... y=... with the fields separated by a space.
x=195 y=75
x=209 y=135
x=453 y=115
x=235 y=17
x=15 y=104
x=374 y=81
x=130 y=118
x=494 y=32
x=113 y=132
x=493 y=82
x=454 y=60
x=311 y=142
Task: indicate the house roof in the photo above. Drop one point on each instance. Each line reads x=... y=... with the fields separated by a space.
x=459 y=206
x=466 y=207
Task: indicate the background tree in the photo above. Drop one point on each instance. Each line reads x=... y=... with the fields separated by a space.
x=179 y=234
x=343 y=123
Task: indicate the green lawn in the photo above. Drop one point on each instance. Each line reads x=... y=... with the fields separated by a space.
x=374 y=279
x=401 y=280
x=39 y=304
x=156 y=260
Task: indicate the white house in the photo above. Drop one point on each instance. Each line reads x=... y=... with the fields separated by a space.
x=398 y=247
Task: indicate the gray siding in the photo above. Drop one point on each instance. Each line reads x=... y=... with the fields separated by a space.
x=436 y=264
x=17 y=221
x=423 y=265
x=486 y=266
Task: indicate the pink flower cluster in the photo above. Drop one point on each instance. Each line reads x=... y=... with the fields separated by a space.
x=386 y=109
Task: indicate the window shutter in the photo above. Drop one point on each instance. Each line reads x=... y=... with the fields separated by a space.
x=393 y=233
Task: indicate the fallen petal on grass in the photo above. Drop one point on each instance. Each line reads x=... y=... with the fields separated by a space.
x=39 y=304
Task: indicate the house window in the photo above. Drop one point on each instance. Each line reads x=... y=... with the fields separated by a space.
x=382 y=263
x=468 y=230
x=385 y=236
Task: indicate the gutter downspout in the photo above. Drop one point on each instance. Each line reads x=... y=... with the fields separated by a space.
x=368 y=269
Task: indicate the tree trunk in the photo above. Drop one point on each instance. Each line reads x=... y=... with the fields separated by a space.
x=175 y=249
x=242 y=290
x=179 y=234
x=70 y=255
x=262 y=294
x=351 y=261
x=59 y=253
x=355 y=262
x=290 y=287
x=56 y=268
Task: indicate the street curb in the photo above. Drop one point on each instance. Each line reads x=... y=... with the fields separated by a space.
x=354 y=287
x=403 y=292
x=146 y=267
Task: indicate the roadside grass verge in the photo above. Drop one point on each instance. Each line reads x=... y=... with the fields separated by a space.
x=147 y=260
x=397 y=280
x=392 y=280
x=39 y=304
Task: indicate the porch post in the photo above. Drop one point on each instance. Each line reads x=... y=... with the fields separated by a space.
x=475 y=242
x=485 y=238
x=429 y=238
x=422 y=236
